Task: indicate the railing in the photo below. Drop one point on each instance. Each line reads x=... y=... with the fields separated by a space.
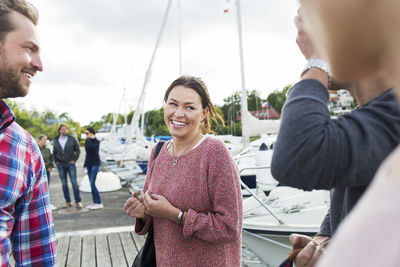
x=255 y=196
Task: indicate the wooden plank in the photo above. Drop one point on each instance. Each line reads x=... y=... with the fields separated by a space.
x=116 y=251
x=75 y=252
x=128 y=246
x=88 y=251
x=139 y=240
x=62 y=250
x=102 y=252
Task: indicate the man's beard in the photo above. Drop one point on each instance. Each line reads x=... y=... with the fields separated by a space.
x=10 y=85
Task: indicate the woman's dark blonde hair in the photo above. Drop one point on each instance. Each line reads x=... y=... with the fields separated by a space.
x=200 y=87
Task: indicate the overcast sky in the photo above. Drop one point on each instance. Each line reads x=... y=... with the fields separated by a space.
x=93 y=49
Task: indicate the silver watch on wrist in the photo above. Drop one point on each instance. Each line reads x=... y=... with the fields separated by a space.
x=318 y=63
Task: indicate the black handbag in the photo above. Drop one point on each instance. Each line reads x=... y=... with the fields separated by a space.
x=146 y=256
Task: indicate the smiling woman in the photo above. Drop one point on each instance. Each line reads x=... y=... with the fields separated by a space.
x=192 y=190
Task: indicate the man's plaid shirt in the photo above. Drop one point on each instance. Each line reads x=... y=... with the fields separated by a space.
x=26 y=220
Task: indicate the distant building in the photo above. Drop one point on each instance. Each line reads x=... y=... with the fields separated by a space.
x=340 y=102
x=263 y=114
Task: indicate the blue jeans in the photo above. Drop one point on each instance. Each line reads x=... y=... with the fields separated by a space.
x=63 y=168
x=48 y=177
x=92 y=174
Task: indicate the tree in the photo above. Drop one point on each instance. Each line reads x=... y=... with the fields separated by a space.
x=232 y=107
x=130 y=116
x=254 y=102
x=219 y=128
x=97 y=125
x=154 y=122
x=277 y=98
x=109 y=118
x=36 y=122
x=64 y=117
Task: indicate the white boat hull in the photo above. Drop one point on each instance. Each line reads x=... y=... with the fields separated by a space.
x=266 y=234
x=272 y=249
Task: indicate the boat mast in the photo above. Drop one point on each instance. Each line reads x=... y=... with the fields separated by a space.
x=179 y=36
x=125 y=125
x=140 y=106
x=244 y=93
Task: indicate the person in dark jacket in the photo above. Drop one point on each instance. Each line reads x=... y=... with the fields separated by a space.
x=46 y=154
x=66 y=153
x=47 y=157
x=92 y=164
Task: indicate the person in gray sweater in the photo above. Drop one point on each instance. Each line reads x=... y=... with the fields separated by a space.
x=66 y=152
x=314 y=151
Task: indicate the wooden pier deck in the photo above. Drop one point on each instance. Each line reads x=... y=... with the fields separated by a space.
x=109 y=247
x=101 y=248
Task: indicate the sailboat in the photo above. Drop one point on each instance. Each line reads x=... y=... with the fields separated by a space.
x=132 y=156
x=252 y=126
x=269 y=220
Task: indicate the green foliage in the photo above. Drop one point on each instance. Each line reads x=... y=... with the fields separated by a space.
x=109 y=117
x=277 y=98
x=130 y=116
x=219 y=128
x=155 y=123
x=355 y=104
x=235 y=129
x=37 y=123
x=231 y=110
x=97 y=125
x=254 y=102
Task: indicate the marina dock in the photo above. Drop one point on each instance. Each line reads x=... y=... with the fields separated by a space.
x=112 y=247
x=102 y=237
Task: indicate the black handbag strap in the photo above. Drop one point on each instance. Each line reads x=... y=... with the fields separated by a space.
x=158 y=149
x=146 y=256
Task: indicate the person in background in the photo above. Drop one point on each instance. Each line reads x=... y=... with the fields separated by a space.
x=314 y=151
x=368 y=236
x=26 y=220
x=92 y=165
x=66 y=152
x=46 y=154
x=192 y=192
x=47 y=157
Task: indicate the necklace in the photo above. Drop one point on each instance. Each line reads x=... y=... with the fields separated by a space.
x=175 y=160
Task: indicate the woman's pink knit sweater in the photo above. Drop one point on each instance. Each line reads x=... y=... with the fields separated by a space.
x=205 y=183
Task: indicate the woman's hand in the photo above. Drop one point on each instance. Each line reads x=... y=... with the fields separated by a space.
x=134 y=207
x=159 y=206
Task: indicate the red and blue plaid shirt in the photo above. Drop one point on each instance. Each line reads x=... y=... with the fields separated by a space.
x=26 y=220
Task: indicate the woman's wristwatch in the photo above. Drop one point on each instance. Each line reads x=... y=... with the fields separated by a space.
x=180 y=217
